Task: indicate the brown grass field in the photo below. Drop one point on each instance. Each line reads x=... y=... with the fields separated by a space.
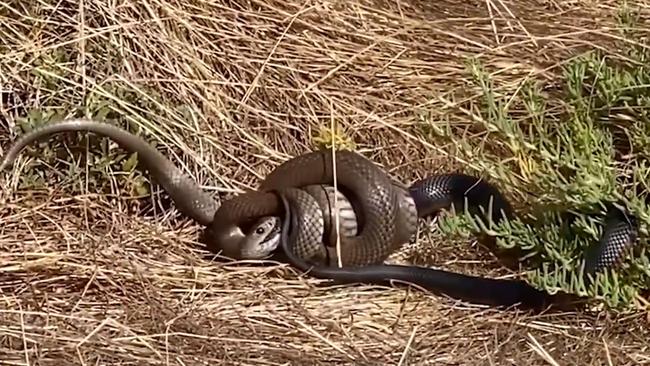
x=93 y=274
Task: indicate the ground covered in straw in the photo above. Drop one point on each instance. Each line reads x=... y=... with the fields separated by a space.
x=95 y=268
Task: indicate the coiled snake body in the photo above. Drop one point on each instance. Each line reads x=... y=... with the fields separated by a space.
x=387 y=210
x=302 y=224
x=387 y=213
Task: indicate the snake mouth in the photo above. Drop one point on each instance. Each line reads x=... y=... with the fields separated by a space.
x=261 y=251
x=262 y=239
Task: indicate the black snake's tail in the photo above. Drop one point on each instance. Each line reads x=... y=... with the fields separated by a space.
x=619 y=235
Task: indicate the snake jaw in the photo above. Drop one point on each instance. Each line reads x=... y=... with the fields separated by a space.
x=262 y=239
x=235 y=243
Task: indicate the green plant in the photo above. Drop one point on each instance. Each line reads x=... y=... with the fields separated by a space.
x=566 y=163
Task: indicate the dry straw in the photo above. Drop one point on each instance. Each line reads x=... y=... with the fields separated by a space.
x=228 y=89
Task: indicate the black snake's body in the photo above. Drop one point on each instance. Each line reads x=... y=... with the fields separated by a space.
x=388 y=214
x=430 y=195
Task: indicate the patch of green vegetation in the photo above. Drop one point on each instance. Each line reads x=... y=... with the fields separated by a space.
x=53 y=165
x=60 y=96
x=585 y=152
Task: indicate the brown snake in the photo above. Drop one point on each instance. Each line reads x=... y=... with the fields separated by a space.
x=388 y=213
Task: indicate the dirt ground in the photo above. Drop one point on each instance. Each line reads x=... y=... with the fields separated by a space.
x=92 y=274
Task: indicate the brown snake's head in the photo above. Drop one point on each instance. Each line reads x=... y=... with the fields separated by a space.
x=262 y=239
x=255 y=241
x=246 y=227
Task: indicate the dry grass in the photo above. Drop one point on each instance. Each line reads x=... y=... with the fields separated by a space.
x=228 y=90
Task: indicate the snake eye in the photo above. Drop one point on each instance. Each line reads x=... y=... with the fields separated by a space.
x=260 y=230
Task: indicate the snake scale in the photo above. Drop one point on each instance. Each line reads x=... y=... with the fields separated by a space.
x=387 y=213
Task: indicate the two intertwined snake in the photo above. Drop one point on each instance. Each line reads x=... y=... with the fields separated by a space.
x=248 y=225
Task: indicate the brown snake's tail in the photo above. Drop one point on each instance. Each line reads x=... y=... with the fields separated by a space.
x=188 y=197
